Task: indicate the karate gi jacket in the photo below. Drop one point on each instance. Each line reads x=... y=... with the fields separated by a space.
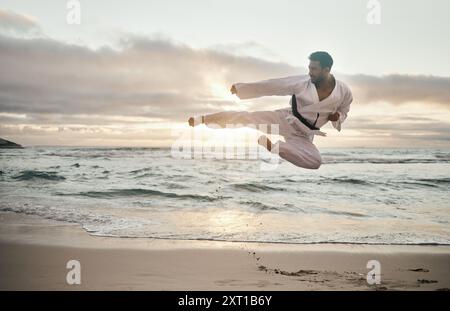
x=308 y=103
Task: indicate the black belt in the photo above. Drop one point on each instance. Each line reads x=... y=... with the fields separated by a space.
x=303 y=120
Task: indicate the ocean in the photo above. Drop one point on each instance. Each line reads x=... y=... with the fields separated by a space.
x=357 y=196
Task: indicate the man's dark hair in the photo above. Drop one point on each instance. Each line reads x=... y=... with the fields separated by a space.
x=323 y=58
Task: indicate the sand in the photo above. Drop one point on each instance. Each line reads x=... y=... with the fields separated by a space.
x=34 y=253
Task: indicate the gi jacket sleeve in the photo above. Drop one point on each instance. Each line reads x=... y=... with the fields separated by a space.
x=343 y=109
x=281 y=86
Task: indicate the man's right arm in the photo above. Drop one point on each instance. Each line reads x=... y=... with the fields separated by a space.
x=343 y=109
x=280 y=87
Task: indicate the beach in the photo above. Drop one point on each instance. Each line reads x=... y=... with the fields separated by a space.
x=35 y=252
x=225 y=146
x=138 y=219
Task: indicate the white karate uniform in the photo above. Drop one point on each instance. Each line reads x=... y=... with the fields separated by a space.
x=298 y=148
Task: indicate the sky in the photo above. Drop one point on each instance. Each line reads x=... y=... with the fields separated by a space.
x=132 y=72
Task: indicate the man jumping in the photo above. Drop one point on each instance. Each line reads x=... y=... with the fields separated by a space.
x=316 y=98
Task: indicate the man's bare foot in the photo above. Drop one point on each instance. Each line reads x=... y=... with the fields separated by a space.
x=196 y=121
x=191 y=121
x=265 y=142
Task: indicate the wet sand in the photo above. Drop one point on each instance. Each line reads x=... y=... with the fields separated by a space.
x=35 y=251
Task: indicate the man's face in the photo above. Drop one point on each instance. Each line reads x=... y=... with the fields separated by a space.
x=316 y=72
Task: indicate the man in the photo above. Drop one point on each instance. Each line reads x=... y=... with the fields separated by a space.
x=316 y=98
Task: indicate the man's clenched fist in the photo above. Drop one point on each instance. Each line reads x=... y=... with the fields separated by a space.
x=233 y=89
x=334 y=116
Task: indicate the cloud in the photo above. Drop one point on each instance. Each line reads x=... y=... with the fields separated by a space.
x=392 y=126
x=153 y=79
x=158 y=78
x=400 y=89
x=13 y=23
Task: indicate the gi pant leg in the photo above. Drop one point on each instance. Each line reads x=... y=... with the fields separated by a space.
x=298 y=148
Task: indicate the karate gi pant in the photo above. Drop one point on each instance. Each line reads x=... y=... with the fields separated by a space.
x=298 y=147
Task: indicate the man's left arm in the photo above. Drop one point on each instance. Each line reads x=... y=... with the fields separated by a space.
x=343 y=110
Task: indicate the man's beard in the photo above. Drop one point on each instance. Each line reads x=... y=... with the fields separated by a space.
x=318 y=80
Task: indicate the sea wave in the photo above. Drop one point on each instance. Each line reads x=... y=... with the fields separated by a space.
x=38 y=175
x=133 y=192
x=346 y=180
x=300 y=240
x=338 y=160
x=256 y=187
x=260 y=206
x=436 y=180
